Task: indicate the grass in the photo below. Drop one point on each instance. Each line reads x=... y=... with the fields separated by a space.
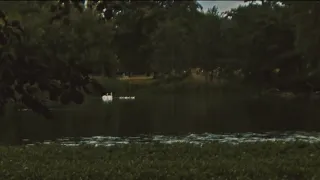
x=144 y=84
x=139 y=80
x=142 y=79
x=136 y=78
x=265 y=160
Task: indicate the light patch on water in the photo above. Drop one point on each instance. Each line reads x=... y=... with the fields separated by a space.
x=191 y=138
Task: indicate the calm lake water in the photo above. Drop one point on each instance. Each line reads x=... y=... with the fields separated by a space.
x=170 y=116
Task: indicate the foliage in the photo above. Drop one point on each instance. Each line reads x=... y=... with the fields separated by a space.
x=278 y=160
x=268 y=44
x=27 y=67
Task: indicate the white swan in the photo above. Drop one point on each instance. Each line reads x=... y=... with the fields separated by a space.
x=107 y=97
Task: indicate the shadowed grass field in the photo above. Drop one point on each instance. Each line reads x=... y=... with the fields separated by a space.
x=142 y=79
x=261 y=161
x=134 y=78
x=138 y=79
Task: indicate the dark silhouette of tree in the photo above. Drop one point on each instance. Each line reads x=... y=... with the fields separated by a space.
x=24 y=73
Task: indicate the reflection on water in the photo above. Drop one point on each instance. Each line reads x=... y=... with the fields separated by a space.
x=191 y=138
x=166 y=114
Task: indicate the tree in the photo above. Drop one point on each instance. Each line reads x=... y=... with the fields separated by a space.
x=167 y=44
x=305 y=17
x=209 y=45
x=27 y=64
x=264 y=43
x=131 y=41
x=173 y=40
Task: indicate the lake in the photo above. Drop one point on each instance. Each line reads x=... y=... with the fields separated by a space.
x=169 y=115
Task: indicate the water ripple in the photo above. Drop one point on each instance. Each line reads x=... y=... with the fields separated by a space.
x=191 y=138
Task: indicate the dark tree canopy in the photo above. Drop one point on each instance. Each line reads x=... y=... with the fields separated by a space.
x=25 y=72
x=55 y=47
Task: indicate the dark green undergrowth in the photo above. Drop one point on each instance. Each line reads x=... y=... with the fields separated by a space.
x=157 y=161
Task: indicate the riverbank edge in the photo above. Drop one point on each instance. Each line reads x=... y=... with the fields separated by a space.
x=174 y=85
x=261 y=160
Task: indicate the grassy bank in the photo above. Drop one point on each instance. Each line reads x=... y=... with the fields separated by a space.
x=173 y=84
x=179 y=161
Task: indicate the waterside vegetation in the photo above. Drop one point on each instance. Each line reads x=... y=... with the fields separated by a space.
x=263 y=160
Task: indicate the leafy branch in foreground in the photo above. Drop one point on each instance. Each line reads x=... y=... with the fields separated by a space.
x=24 y=73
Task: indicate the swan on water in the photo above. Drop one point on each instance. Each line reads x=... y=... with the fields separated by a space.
x=107 y=97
